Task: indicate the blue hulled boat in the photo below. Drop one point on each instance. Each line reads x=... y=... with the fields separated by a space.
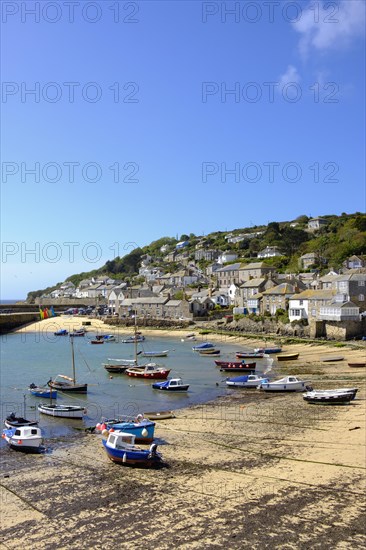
x=205 y=345
x=42 y=391
x=172 y=384
x=121 y=448
x=142 y=428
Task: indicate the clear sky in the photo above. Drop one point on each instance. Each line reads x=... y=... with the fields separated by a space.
x=123 y=122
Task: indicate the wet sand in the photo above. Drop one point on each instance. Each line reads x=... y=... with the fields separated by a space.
x=251 y=470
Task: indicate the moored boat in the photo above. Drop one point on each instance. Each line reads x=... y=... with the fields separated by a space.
x=97 y=341
x=61 y=332
x=249 y=355
x=42 y=391
x=121 y=448
x=66 y=383
x=268 y=350
x=357 y=365
x=163 y=353
x=142 y=428
x=159 y=415
x=172 y=384
x=205 y=345
x=332 y=359
x=286 y=384
x=288 y=357
x=62 y=411
x=243 y=367
x=133 y=339
x=13 y=421
x=330 y=397
x=27 y=439
x=209 y=351
x=247 y=381
x=151 y=370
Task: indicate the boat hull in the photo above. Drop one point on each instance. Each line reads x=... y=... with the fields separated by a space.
x=69 y=388
x=159 y=415
x=45 y=394
x=116 y=368
x=142 y=459
x=288 y=357
x=357 y=365
x=329 y=399
x=157 y=375
x=243 y=367
x=24 y=443
x=60 y=411
x=175 y=389
x=296 y=386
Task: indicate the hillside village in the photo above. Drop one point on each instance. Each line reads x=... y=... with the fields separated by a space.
x=193 y=278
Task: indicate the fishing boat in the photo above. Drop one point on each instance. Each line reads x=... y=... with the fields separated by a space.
x=172 y=384
x=357 y=365
x=205 y=345
x=27 y=439
x=142 y=428
x=268 y=350
x=159 y=415
x=249 y=355
x=65 y=383
x=151 y=370
x=209 y=351
x=286 y=384
x=13 y=421
x=330 y=397
x=288 y=357
x=121 y=448
x=242 y=367
x=163 y=353
x=61 y=332
x=247 y=381
x=62 y=411
x=227 y=363
x=42 y=391
x=133 y=339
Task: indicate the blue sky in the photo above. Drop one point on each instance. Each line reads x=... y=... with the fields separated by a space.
x=218 y=115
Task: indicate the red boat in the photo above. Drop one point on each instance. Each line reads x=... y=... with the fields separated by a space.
x=242 y=367
x=97 y=341
x=226 y=363
x=148 y=371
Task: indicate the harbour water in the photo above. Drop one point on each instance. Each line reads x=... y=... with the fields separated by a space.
x=34 y=357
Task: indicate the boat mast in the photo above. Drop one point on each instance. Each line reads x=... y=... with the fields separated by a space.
x=135 y=341
x=72 y=359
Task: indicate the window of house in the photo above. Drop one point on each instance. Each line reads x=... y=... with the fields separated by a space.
x=361 y=297
x=301 y=302
x=361 y=283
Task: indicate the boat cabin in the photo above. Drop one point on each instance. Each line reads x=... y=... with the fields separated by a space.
x=121 y=440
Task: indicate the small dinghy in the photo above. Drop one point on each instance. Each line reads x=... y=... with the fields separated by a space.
x=249 y=355
x=159 y=415
x=27 y=439
x=172 y=384
x=61 y=332
x=359 y=365
x=209 y=351
x=42 y=391
x=288 y=357
x=121 y=448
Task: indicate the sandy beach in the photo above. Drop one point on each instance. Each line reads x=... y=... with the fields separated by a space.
x=250 y=470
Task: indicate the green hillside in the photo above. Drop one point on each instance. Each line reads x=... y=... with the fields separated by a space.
x=343 y=236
